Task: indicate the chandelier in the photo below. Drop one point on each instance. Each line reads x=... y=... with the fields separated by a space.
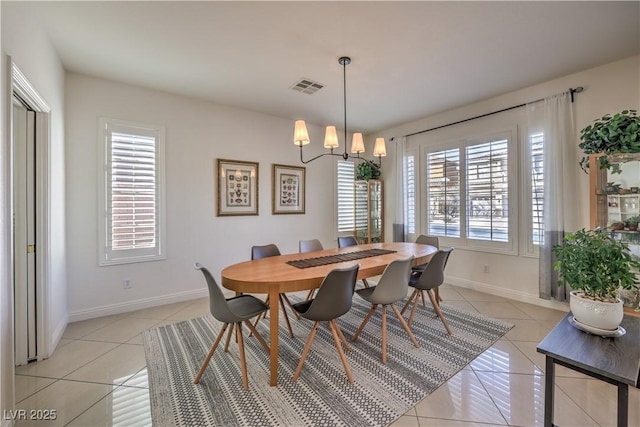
x=301 y=136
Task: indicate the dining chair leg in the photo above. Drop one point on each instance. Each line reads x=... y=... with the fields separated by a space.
x=364 y=322
x=305 y=352
x=436 y=307
x=384 y=334
x=286 y=299
x=226 y=344
x=405 y=326
x=310 y=295
x=243 y=361
x=438 y=297
x=336 y=338
x=257 y=335
x=415 y=306
x=341 y=335
x=365 y=283
x=286 y=317
x=261 y=315
x=424 y=304
x=211 y=350
x=413 y=294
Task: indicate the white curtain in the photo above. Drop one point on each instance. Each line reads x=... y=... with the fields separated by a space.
x=554 y=117
x=400 y=224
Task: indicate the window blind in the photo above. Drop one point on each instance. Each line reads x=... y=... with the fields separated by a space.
x=132 y=192
x=443 y=190
x=536 y=151
x=346 y=198
x=488 y=191
x=410 y=177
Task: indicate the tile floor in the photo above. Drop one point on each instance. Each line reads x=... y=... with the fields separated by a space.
x=97 y=375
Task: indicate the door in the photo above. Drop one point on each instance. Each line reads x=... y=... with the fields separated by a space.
x=24 y=218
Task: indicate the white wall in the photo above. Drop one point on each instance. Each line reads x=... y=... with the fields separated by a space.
x=197 y=133
x=608 y=89
x=25 y=41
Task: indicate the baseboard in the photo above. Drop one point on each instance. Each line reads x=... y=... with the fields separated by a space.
x=507 y=293
x=125 y=307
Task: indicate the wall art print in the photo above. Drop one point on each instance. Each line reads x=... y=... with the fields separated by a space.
x=237 y=187
x=287 y=189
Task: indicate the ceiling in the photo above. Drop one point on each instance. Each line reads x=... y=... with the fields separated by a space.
x=409 y=59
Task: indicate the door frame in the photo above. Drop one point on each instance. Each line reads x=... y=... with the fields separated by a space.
x=25 y=90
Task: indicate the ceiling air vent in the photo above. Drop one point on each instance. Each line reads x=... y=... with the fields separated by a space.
x=307 y=86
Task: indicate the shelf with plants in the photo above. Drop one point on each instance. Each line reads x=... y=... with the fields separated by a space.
x=369 y=212
x=621 y=207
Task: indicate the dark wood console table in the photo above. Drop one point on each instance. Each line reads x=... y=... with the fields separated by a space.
x=613 y=360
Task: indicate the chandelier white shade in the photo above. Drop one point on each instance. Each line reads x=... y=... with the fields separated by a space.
x=331 y=138
x=301 y=135
x=379 y=150
x=357 y=144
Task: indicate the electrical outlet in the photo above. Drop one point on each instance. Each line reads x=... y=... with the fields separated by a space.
x=127 y=284
x=486 y=268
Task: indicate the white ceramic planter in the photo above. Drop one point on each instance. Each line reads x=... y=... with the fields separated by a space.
x=598 y=314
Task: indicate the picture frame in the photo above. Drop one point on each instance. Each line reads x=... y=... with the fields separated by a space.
x=288 y=188
x=237 y=187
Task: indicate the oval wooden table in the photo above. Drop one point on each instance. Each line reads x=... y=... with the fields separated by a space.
x=273 y=276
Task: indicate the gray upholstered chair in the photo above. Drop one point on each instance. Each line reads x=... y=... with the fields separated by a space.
x=426 y=240
x=345 y=242
x=306 y=246
x=309 y=246
x=232 y=311
x=432 y=241
x=430 y=279
x=266 y=251
x=334 y=299
x=391 y=288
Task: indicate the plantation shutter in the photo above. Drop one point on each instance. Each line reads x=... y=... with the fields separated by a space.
x=132 y=192
x=487 y=191
x=536 y=146
x=346 y=198
x=443 y=189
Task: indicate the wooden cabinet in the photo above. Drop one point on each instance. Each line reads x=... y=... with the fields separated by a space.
x=369 y=211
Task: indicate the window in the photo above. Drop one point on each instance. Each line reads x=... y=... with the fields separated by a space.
x=345 y=192
x=131 y=192
x=443 y=189
x=536 y=153
x=410 y=177
x=488 y=191
x=468 y=192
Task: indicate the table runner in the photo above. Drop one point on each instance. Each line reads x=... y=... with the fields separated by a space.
x=332 y=259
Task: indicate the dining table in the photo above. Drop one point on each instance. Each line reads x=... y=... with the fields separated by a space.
x=276 y=275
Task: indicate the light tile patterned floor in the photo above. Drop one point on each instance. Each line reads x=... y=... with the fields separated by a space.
x=97 y=375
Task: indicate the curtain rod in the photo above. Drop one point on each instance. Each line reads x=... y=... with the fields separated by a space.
x=571 y=91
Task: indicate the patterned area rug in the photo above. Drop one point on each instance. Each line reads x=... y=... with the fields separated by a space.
x=322 y=395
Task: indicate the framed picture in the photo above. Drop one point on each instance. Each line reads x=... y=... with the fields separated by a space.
x=237 y=187
x=287 y=189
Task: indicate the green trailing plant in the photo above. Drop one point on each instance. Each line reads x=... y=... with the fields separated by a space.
x=608 y=135
x=593 y=263
x=366 y=171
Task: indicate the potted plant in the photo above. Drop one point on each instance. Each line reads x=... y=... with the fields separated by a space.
x=632 y=223
x=617 y=225
x=366 y=171
x=595 y=266
x=619 y=133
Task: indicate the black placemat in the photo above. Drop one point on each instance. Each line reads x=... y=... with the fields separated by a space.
x=332 y=259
